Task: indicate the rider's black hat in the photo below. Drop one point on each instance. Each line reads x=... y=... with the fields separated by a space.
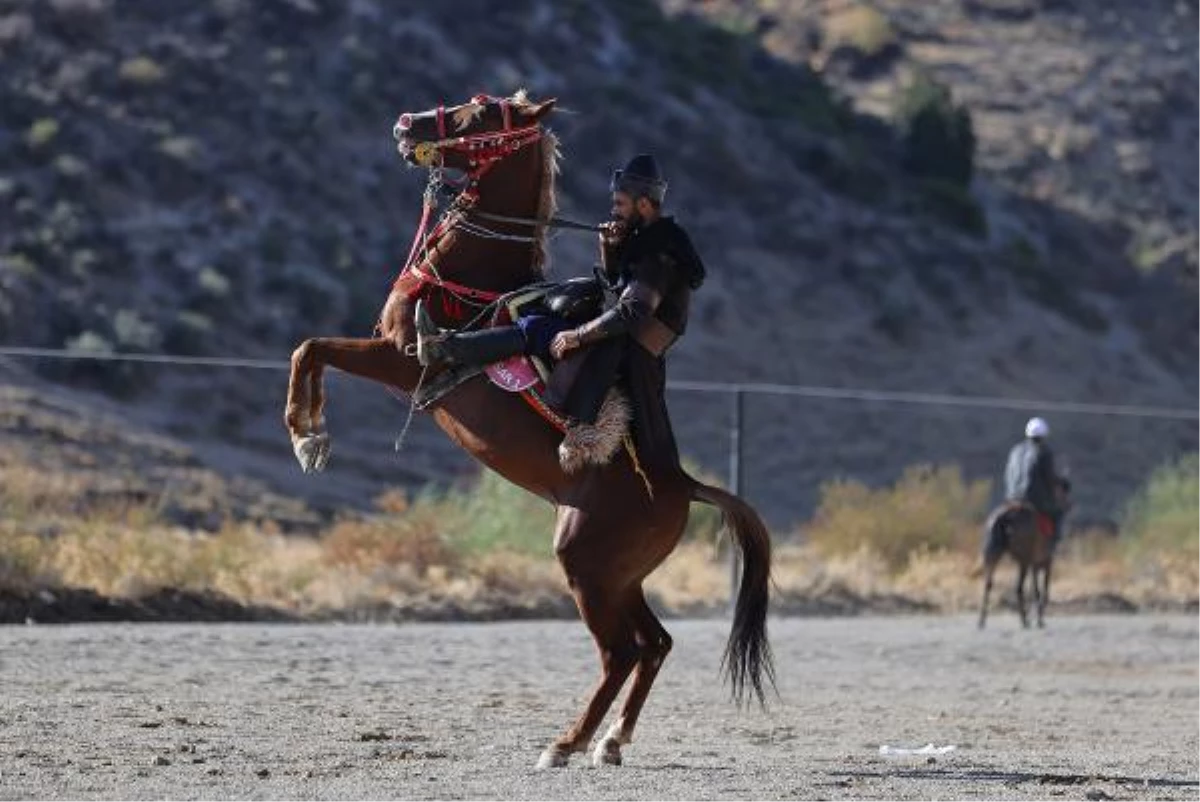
x=641 y=177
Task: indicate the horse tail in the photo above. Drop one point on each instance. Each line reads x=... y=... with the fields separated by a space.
x=747 y=660
x=995 y=538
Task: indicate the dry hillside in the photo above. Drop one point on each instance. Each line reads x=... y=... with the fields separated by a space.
x=218 y=178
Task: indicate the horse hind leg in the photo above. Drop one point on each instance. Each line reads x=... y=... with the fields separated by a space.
x=1034 y=573
x=615 y=636
x=989 y=573
x=654 y=644
x=1024 y=569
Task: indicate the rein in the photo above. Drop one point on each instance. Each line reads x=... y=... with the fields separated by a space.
x=553 y=222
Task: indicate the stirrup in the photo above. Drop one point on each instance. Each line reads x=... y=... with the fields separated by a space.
x=429 y=338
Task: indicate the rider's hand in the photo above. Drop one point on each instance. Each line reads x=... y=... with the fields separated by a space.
x=564 y=342
x=612 y=232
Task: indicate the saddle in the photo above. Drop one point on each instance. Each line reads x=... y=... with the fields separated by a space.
x=576 y=301
x=541 y=385
x=1044 y=523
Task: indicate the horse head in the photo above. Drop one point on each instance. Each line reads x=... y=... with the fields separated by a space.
x=509 y=161
x=470 y=135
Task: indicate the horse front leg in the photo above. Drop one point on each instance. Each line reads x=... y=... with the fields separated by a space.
x=1023 y=571
x=1045 y=600
x=378 y=359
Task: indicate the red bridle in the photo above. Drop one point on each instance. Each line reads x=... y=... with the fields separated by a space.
x=483 y=152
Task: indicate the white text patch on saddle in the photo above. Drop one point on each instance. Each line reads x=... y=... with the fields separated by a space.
x=514 y=375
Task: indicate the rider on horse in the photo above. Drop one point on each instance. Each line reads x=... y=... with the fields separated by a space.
x=650 y=267
x=1031 y=478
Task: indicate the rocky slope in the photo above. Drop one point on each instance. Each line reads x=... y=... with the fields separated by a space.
x=218 y=178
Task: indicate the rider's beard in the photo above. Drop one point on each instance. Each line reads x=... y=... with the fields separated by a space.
x=632 y=220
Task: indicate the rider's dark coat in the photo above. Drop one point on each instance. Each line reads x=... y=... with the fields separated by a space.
x=1030 y=476
x=652 y=273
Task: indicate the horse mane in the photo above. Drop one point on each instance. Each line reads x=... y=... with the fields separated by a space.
x=548 y=200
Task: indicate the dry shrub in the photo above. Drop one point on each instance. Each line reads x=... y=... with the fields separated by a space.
x=510 y=572
x=1164 y=516
x=942 y=578
x=929 y=508
x=695 y=574
x=121 y=560
x=21 y=564
x=142 y=71
x=417 y=539
x=862 y=28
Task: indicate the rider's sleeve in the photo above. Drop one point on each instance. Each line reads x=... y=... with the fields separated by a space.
x=637 y=302
x=609 y=261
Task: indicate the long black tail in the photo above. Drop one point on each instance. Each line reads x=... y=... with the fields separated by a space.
x=747 y=660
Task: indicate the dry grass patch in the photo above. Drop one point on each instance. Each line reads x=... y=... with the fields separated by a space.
x=928 y=509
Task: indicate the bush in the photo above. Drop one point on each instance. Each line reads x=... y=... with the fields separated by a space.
x=42 y=132
x=938 y=137
x=929 y=508
x=862 y=28
x=417 y=539
x=1164 y=516
x=135 y=333
x=142 y=71
x=496 y=515
x=954 y=205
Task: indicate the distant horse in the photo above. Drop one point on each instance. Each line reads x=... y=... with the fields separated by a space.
x=1013 y=528
x=610 y=531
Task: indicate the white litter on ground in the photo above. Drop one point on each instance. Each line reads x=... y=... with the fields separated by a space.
x=927 y=750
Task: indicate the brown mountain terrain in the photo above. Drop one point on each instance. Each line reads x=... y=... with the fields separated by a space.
x=218 y=178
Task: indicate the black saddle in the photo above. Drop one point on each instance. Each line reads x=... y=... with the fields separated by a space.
x=576 y=301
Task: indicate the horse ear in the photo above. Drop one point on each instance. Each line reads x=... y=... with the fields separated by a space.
x=539 y=110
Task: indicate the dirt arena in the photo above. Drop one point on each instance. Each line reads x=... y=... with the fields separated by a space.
x=1094 y=707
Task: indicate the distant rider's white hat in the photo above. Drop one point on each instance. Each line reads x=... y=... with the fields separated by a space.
x=1037 y=428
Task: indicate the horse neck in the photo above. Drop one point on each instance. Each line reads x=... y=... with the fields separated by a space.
x=512 y=188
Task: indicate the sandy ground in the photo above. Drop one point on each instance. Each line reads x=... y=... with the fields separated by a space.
x=1094 y=707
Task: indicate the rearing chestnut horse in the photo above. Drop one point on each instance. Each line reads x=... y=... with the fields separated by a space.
x=610 y=532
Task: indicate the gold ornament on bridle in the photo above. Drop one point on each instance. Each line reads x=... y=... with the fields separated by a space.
x=425 y=154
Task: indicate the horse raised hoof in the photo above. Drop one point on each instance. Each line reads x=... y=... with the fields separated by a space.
x=554 y=758
x=312 y=451
x=607 y=753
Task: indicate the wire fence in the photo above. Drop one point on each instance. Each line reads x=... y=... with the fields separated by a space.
x=735 y=392
x=750 y=388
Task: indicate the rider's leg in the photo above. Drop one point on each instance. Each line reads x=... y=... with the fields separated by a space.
x=437 y=347
x=582 y=400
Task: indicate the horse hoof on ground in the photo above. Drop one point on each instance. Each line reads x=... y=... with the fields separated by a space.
x=554 y=758
x=608 y=753
x=312 y=451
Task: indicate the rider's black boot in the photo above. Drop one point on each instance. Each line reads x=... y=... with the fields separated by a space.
x=442 y=347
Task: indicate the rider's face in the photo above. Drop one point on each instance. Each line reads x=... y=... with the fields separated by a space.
x=623 y=208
